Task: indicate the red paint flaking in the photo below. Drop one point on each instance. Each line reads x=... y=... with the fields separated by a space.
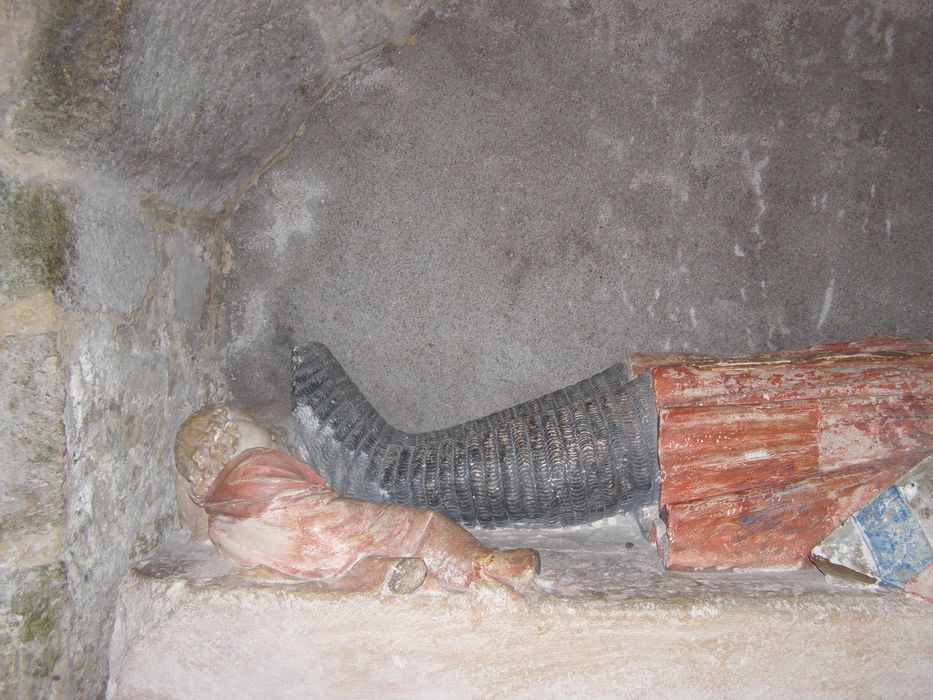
x=730 y=385
x=762 y=456
x=770 y=527
x=875 y=344
x=865 y=430
x=713 y=450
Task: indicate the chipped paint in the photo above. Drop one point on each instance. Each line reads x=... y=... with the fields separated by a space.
x=762 y=456
x=899 y=547
x=888 y=540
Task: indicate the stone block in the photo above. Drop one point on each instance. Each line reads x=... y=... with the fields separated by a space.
x=35 y=618
x=32 y=315
x=187 y=101
x=35 y=605
x=32 y=449
x=606 y=622
x=16 y=21
x=115 y=251
x=36 y=240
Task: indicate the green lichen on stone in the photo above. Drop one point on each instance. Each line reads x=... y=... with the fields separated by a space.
x=41 y=610
x=39 y=606
x=74 y=62
x=35 y=239
x=31 y=412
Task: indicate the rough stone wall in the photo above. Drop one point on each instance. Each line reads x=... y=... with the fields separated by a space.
x=102 y=358
x=35 y=608
x=129 y=131
x=141 y=355
x=534 y=189
x=191 y=99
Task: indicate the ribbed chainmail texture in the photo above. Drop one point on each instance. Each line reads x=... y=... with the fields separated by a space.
x=572 y=456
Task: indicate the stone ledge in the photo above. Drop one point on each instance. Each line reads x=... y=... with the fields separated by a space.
x=608 y=621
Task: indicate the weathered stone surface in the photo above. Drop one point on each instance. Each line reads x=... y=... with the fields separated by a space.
x=115 y=252
x=90 y=392
x=34 y=624
x=536 y=188
x=257 y=67
x=35 y=605
x=191 y=100
x=31 y=315
x=131 y=381
x=70 y=75
x=845 y=553
x=32 y=441
x=609 y=622
x=189 y=268
x=93 y=389
x=36 y=239
x=16 y=21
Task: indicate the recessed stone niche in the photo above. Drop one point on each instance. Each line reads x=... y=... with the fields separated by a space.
x=471 y=204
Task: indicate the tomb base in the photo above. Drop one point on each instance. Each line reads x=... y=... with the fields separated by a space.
x=607 y=622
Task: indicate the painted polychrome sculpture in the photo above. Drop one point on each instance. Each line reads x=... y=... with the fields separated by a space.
x=763 y=456
x=267 y=509
x=751 y=461
x=889 y=541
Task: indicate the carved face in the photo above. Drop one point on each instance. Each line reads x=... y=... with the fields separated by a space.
x=209 y=439
x=251 y=434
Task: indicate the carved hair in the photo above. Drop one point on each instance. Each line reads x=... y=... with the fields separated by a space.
x=204 y=444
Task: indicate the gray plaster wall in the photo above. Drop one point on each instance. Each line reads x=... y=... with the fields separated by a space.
x=535 y=188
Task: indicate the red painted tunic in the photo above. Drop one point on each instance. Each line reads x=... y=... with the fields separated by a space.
x=267 y=508
x=763 y=456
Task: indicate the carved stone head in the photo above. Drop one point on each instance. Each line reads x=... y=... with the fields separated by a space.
x=209 y=439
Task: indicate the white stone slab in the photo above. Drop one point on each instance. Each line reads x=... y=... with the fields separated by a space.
x=608 y=622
